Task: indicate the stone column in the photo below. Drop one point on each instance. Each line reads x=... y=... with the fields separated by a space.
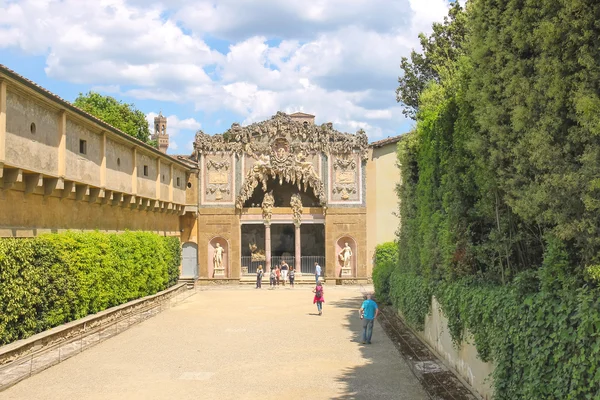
x=297 y=252
x=267 y=248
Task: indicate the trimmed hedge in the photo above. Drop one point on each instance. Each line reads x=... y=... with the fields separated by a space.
x=53 y=279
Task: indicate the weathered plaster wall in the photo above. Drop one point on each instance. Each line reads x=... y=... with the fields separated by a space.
x=464 y=360
x=119 y=166
x=25 y=216
x=146 y=185
x=165 y=180
x=180 y=186
x=83 y=167
x=24 y=149
x=224 y=223
x=341 y=222
x=382 y=202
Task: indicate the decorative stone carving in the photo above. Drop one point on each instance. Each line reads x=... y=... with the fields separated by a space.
x=346 y=259
x=284 y=168
x=267 y=207
x=218 y=178
x=308 y=138
x=256 y=253
x=218 y=258
x=296 y=204
x=345 y=177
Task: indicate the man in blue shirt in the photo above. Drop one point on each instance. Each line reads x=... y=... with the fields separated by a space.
x=317 y=272
x=368 y=312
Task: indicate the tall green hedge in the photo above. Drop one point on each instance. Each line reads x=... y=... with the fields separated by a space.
x=53 y=279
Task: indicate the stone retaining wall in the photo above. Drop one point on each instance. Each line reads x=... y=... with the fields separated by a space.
x=27 y=357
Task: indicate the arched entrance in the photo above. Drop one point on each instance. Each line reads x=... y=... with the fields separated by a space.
x=189 y=266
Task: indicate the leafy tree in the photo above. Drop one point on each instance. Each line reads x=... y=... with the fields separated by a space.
x=440 y=51
x=122 y=116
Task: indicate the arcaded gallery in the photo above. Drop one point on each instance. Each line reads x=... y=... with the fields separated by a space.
x=280 y=190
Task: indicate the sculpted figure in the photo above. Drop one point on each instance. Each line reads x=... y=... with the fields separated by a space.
x=301 y=160
x=263 y=159
x=346 y=255
x=218 y=257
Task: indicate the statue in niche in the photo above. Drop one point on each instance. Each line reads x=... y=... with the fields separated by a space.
x=218 y=257
x=346 y=256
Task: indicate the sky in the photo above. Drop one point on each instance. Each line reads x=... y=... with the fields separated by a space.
x=208 y=64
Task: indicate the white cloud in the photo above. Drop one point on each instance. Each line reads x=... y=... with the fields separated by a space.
x=336 y=59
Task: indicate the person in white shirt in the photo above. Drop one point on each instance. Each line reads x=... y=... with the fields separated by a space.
x=317 y=272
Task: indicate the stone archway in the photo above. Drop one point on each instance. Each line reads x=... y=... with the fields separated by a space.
x=340 y=245
x=282 y=167
x=213 y=245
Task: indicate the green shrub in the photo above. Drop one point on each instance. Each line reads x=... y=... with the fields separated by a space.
x=386 y=258
x=57 y=278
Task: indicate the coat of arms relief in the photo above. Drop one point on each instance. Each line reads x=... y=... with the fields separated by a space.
x=217 y=181
x=345 y=178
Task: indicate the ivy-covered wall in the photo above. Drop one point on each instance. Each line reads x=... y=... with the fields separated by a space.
x=500 y=193
x=56 y=278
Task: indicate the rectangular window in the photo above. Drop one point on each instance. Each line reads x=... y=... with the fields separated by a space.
x=178 y=183
x=145 y=170
x=82 y=146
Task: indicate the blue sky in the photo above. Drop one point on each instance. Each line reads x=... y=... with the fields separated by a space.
x=208 y=64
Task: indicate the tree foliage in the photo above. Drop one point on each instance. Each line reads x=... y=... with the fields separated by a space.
x=440 y=50
x=500 y=192
x=122 y=116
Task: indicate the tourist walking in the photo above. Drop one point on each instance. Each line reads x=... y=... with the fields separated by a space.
x=368 y=312
x=272 y=278
x=284 y=271
x=319 y=299
x=259 y=276
x=277 y=274
x=317 y=272
x=292 y=276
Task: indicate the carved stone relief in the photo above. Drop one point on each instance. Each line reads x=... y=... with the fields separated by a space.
x=267 y=207
x=218 y=179
x=297 y=209
x=345 y=180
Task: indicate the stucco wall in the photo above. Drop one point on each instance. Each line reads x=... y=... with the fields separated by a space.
x=119 y=166
x=165 y=180
x=27 y=150
x=146 y=185
x=382 y=202
x=345 y=222
x=179 y=191
x=224 y=223
x=83 y=167
x=464 y=360
x=32 y=215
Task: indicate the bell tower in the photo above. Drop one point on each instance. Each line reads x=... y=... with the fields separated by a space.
x=160 y=133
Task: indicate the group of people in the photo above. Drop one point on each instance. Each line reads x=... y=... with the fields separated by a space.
x=281 y=273
x=368 y=311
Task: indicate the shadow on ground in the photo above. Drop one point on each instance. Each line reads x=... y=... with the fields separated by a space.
x=369 y=381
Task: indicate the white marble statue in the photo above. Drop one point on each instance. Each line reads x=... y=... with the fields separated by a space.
x=218 y=257
x=346 y=256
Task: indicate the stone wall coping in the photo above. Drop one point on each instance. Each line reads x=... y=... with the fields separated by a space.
x=58 y=330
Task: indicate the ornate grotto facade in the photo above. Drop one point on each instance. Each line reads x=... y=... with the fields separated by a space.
x=283 y=189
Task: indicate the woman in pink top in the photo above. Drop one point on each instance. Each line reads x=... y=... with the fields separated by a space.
x=319 y=299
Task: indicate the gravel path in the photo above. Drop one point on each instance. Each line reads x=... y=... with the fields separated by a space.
x=237 y=343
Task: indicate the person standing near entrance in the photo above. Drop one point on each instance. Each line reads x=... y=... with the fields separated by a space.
x=319 y=299
x=368 y=312
x=272 y=278
x=284 y=271
x=277 y=274
x=259 y=276
x=292 y=276
x=317 y=272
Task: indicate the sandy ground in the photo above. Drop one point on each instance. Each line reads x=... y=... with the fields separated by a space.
x=237 y=343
